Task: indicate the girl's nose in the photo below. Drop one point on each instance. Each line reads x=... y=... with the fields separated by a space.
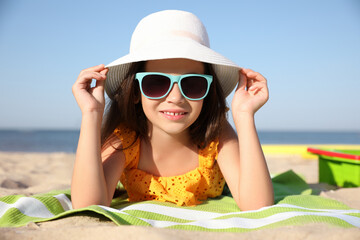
x=175 y=95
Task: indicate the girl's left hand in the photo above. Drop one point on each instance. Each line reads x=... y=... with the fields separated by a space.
x=251 y=93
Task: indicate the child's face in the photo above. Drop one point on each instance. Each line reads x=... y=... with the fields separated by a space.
x=174 y=113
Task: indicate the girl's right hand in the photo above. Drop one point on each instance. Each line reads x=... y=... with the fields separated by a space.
x=91 y=99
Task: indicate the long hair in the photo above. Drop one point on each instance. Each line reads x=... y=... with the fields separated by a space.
x=125 y=108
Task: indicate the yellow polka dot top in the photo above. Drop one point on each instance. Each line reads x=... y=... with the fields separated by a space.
x=187 y=189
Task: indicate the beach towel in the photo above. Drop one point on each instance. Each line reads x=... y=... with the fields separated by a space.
x=295 y=203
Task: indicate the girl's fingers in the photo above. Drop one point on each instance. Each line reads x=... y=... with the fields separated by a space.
x=257 y=85
x=84 y=82
x=242 y=81
x=97 y=68
x=105 y=71
x=249 y=80
x=88 y=73
x=100 y=83
x=253 y=75
x=88 y=76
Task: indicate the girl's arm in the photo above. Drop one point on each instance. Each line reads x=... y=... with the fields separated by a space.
x=95 y=174
x=241 y=158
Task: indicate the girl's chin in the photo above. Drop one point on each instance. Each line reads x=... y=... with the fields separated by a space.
x=174 y=128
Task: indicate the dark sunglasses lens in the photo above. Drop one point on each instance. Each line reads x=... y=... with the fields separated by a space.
x=155 y=85
x=194 y=87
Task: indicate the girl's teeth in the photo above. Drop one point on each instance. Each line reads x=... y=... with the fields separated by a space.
x=174 y=114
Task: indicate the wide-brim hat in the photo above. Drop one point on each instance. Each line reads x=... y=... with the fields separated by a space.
x=172 y=34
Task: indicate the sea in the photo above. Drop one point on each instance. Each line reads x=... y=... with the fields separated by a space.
x=66 y=140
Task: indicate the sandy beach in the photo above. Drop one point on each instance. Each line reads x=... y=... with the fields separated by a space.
x=31 y=173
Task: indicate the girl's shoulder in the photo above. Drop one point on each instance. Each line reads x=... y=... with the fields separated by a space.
x=121 y=139
x=130 y=144
x=209 y=154
x=227 y=133
x=228 y=137
x=126 y=135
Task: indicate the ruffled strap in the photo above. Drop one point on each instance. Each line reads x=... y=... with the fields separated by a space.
x=130 y=145
x=209 y=154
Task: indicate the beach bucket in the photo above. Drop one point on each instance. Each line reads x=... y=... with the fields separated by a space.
x=338 y=167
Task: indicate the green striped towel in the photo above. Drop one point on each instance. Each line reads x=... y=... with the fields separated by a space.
x=295 y=205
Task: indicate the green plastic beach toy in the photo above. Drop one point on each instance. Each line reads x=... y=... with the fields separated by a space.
x=338 y=167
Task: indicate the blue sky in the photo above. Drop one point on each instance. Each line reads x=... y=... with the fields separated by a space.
x=308 y=50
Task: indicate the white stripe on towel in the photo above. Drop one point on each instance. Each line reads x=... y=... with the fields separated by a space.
x=28 y=206
x=248 y=223
x=64 y=201
x=206 y=219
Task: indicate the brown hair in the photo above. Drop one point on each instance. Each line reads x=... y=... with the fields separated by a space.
x=126 y=108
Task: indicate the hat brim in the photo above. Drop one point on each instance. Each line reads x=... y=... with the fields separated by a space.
x=226 y=70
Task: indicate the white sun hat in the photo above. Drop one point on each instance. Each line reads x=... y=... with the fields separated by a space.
x=172 y=34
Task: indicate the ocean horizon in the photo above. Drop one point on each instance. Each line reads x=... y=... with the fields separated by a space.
x=66 y=140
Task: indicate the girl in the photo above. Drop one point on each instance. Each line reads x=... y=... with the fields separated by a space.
x=165 y=135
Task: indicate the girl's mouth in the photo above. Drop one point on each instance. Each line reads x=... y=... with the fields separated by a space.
x=174 y=115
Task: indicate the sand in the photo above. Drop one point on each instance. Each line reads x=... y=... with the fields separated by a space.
x=31 y=173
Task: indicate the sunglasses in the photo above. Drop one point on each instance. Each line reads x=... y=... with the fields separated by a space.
x=154 y=85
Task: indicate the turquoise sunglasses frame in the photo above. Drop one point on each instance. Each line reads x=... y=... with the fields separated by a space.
x=174 y=79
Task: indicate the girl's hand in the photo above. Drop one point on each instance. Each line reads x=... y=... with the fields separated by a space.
x=91 y=99
x=251 y=93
